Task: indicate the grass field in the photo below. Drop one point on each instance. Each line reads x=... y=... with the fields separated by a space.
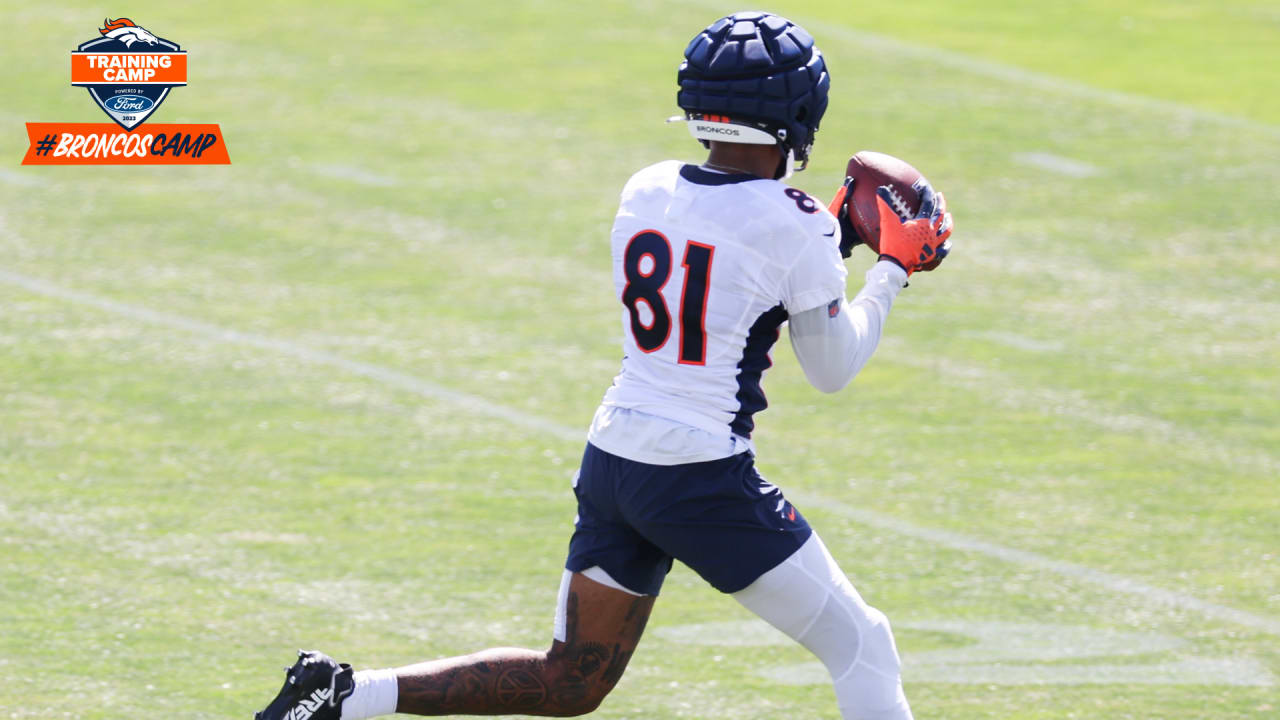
x=332 y=395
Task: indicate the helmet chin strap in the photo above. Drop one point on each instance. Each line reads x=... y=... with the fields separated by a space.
x=786 y=166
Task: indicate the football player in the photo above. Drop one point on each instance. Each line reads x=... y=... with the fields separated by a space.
x=709 y=261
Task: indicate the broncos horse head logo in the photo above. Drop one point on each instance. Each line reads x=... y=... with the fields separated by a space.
x=126 y=32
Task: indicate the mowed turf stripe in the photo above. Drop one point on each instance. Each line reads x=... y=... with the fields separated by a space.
x=384 y=375
x=995 y=384
x=1109 y=581
x=478 y=405
x=873 y=43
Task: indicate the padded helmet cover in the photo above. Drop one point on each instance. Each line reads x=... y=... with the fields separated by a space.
x=761 y=69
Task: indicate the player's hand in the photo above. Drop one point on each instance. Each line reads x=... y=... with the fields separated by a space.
x=920 y=243
x=849 y=237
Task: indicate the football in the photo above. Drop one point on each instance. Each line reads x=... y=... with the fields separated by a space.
x=869 y=171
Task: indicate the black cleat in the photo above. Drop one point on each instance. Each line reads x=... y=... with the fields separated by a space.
x=313 y=690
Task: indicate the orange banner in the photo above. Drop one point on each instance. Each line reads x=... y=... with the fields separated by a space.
x=128 y=68
x=109 y=144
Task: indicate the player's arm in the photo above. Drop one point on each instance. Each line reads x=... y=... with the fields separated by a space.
x=835 y=341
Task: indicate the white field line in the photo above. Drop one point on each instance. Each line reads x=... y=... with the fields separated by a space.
x=1052 y=84
x=381 y=374
x=1056 y=164
x=478 y=405
x=354 y=174
x=1115 y=583
x=1004 y=653
x=996 y=387
x=22 y=179
x=1016 y=341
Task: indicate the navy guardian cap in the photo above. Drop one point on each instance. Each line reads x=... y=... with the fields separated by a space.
x=753 y=77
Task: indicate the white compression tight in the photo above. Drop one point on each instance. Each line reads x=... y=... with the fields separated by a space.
x=810 y=599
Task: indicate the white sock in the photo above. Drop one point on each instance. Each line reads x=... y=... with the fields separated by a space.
x=376 y=693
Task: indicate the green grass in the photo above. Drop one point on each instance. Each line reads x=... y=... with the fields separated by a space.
x=1210 y=55
x=1092 y=377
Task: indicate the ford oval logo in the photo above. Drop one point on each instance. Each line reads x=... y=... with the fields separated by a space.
x=128 y=103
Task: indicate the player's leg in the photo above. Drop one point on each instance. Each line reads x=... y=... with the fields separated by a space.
x=739 y=533
x=602 y=626
x=597 y=630
x=809 y=598
x=612 y=577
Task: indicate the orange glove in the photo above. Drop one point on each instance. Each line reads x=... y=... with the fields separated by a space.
x=849 y=236
x=917 y=244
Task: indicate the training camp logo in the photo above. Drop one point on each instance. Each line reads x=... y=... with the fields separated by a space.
x=129 y=72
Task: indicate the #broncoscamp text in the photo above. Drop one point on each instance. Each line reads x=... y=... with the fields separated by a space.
x=106 y=145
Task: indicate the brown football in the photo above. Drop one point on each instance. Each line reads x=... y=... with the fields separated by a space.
x=869 y=171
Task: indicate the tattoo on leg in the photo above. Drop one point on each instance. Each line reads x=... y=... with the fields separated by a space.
x=587 y=658
x=570 y=678
x=517 y=688
x=613 y=673
x=637 y=617
x=502 y=679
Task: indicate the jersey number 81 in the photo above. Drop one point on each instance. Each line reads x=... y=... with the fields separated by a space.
x=646 y=287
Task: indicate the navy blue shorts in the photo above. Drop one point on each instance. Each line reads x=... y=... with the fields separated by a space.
x=720 y=518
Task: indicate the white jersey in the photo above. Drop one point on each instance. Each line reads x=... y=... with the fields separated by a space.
x=708 y=266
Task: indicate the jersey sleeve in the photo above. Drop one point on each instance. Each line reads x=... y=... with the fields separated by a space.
x=818 y=275
x=834 y=343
